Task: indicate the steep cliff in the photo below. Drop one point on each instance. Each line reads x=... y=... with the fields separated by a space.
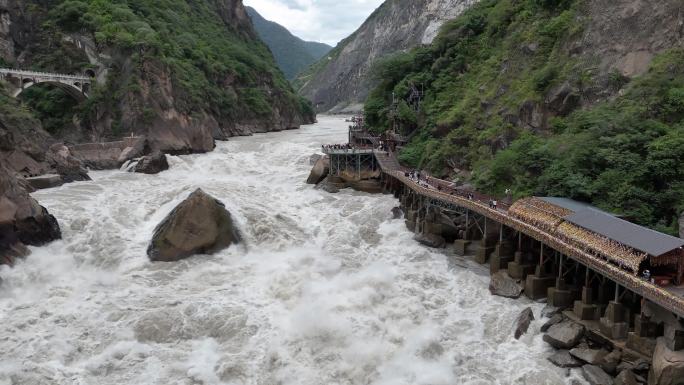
x=292 y=54
x=342 y=79
x=182 y=73
x=575 y=98
x=24 y=149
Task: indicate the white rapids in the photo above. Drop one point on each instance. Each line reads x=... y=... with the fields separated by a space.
x=327 y=290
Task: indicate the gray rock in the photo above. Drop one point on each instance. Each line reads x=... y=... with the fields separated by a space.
x=563 y=359
x=590 y=356
x=555 y=319
x=137 y=150
x=152 y=164
x=503 y=285
x=626 y=377
x=45 y=181
x=610 y=362
x=668 y=366
x=319 y=171
x=431 y=240
x=522 y=324
x=596 y=376
x=314 y=158
x=565 y=335
x=199 y=225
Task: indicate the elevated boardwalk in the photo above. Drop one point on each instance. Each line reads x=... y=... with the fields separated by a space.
x=671 y=299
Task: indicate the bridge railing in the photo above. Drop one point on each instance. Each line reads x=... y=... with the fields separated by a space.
x=8 y=71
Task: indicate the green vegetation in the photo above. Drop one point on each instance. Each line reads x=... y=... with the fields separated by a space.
x=53 y=106
x=488 y=71
x=216 y=65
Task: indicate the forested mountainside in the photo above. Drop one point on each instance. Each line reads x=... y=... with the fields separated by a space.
x=340 y=81
x=183 y=73
x=574 y=98
x=292 y=54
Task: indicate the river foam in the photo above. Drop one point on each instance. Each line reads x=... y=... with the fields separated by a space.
x=327 y=289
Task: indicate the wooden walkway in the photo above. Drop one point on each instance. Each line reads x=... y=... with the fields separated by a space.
x=668 y=299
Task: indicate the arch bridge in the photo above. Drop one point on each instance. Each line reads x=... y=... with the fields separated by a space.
x=77 y=86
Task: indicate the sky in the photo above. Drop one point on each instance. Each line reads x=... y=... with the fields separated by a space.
x=326 y=21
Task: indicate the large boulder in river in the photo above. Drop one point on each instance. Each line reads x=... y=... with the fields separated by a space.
x=22 y=220
x=668 y=366
x=565 y=335
x=503 y=285
x=320 y=170
x=152 y=164
x=199 y=225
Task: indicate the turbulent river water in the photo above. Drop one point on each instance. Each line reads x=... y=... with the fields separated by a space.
x=328 y=289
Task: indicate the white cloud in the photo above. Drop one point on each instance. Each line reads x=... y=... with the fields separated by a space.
x=327 y=21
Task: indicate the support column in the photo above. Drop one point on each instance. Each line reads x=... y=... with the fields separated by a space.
x=559 y=295
x=520 y=268
x=461 y=245
x=585 y=309
x=486 y=246
x=502 y=255
x=613 y=323
x=537 y=285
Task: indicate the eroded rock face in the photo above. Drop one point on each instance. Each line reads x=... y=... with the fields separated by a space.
x=668 y=366
x=152 y=164
x=22 y=220
x=503 y=285
x=343 y=83
x=199 y=225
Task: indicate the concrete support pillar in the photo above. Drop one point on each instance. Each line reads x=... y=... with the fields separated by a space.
x=614 y=324
x=559 y=295
x=488 y=242
x=585 y=309
x=521 y=266
x=537 y=285
x=502 y=255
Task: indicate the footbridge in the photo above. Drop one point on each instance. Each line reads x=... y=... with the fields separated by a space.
x=625 y=281
x=77 y=86
x=546 y=245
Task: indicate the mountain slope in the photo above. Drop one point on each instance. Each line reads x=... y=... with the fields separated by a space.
x=291 y=53
x=182 y=73
x=573 y=98
x=342 y=78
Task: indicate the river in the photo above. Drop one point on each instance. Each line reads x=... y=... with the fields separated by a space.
x=328 y=289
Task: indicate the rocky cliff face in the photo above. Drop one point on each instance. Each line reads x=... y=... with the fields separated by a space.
x=341 y=80
x=181 y=78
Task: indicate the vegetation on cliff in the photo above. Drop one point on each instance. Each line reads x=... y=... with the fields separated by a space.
x=501 y=110
x=204 y=54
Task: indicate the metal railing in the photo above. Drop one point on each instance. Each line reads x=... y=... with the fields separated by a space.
x=7 y=71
